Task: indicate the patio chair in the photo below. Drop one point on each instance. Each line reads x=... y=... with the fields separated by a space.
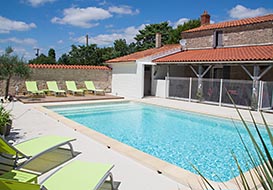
x=72 y=88
x=33 y=89
x=75 y=175
x=26 y=151
x=91 y=87
x=53 y=87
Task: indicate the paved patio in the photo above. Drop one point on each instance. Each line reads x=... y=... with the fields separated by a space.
x=31 y=120
x=29 y=123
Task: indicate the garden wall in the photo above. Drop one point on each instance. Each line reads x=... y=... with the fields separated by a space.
x=100 y=75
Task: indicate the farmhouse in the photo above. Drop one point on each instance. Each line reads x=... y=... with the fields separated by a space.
x=234 y=57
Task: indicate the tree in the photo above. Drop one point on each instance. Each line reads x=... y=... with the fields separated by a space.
x=107 y=53
x=41 y=59
x=132 y=48
x=120 y=48
x=84 y=55
x=12 y=65
x=52 y=55
x=64 y=59
x=146 y=38
x=175 y=34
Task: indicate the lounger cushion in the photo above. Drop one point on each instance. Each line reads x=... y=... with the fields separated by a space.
x=79 y=175
x=41 y=144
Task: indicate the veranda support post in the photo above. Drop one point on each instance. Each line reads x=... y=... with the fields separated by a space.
x=190 y=87
x=260 y=96
x=221 y=92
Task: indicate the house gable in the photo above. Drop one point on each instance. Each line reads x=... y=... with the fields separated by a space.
x=245 y=32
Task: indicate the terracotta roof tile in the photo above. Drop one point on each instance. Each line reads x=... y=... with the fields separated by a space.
x=233 y=23
x=142 y=54
x=56 y=66
x=246 y=53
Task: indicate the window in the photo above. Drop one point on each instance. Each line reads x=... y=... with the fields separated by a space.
x=218 y=39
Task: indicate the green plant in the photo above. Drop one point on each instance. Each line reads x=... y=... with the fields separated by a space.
x=10 y=66
x=199 y=94
x=5 y=121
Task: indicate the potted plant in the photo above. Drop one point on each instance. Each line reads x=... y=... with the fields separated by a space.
x=5 y=122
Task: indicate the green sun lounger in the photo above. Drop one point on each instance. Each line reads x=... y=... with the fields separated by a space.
x=75 y=175
x=91 y=87
x=72 y=88
x=27 y=151
x=53 y=87
x=32 y=88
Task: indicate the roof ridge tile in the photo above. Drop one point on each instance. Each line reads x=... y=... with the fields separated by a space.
x=233 y=23
x=62 y=66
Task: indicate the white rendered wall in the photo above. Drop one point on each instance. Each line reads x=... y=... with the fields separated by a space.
x=127 y=80
x=159 y=88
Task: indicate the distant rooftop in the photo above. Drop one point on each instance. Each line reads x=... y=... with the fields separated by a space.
x=233 y=23
x=57 y=66
x=142 y=54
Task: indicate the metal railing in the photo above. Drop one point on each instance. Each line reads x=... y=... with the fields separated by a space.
x=215 y=91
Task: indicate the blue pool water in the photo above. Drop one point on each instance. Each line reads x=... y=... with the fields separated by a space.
x=180 y=138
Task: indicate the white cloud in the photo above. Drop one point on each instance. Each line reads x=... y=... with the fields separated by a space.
x=26 y=41
x=181 y=21
x=82 y=17
x=26 y=54
x=36 y=3
x=239 y=12
x=128 y=34
x=109 y=26
x=108 y=39
x=123 y=9
x=60 y=42
x=8 y=25
x=71 y=33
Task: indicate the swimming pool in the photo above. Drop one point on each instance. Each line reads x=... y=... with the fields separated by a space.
x=178 y=137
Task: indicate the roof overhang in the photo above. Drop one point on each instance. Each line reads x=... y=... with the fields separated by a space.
x=259 y=54
x=121 y=63
x=267 y=62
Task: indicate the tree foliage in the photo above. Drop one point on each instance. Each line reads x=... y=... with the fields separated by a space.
x=82 y=55
x=93 y=55
x=43 y=59
x=52 y=55
x=146 y=37
x=12 y=65
x=175 y=34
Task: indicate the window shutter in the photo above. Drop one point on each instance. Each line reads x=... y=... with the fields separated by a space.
x=220 y=38
x=214 y=39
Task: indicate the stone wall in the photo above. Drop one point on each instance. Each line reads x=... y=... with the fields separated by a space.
x=101 y=78
x=260 y=33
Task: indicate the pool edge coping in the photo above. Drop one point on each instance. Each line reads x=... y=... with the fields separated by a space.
x=176 y=173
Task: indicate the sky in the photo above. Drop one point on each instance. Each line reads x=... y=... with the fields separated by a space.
x=28 y=25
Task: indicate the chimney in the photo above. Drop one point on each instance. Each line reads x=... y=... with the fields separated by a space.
x=205 y=18
x=158 y=40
